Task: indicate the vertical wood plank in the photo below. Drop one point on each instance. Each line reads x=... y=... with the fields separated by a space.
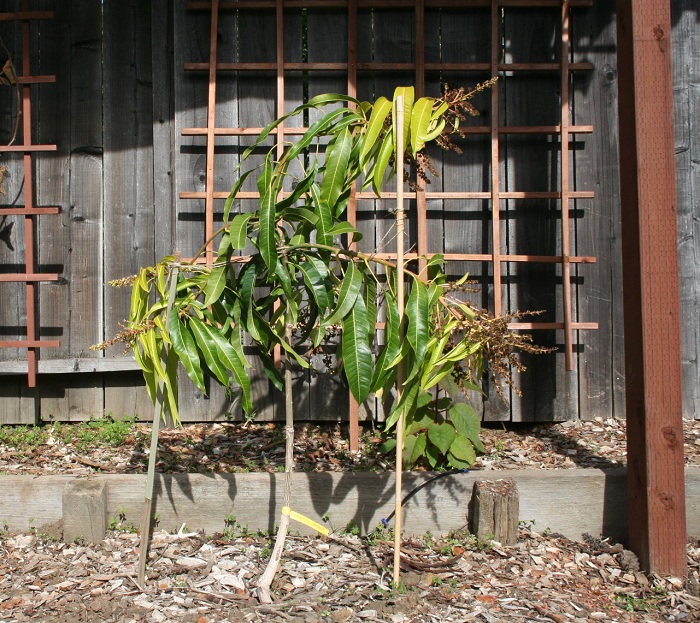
x=129 y=216
x=71 y=117
x=686 y=70
x=598 y=233
x=533 y=226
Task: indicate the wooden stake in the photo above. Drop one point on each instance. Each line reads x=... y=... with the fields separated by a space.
x=157 y=414
x=400 y=377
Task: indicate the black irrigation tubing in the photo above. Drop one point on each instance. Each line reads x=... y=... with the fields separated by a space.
x=410 y=494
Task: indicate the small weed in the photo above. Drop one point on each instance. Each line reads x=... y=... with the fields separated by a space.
x=437 y=581
x=634 y=604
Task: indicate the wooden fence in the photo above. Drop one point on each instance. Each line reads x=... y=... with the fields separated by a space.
x=128 y=115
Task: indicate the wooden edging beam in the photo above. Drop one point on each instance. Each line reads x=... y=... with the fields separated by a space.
x=656 y=496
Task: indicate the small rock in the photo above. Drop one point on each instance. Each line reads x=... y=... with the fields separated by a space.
x=342 y=615
x=158 y=616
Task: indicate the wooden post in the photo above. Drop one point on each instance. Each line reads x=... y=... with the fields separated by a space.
x=656 y=495
x=496 y=510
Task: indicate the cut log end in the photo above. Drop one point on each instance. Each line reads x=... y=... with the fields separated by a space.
x=496 y=508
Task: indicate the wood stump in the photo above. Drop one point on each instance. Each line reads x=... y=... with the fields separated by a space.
x=496 y=506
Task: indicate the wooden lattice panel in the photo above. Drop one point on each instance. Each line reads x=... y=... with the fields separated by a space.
x=369 y=71
x=30 y=277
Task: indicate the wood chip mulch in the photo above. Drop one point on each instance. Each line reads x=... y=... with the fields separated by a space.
x=197 y=578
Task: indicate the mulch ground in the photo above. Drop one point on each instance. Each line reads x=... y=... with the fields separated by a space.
x=195 y=578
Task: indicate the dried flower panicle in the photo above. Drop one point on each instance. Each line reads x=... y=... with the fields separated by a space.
x=128 y=335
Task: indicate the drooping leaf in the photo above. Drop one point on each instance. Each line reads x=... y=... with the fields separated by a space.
x=325 y=217
x=226 y=356
x=267 y=234
x=349 y=290
x=184 y=345
x=239 y=230
x=337 y=159
x=381 y=164
x=441 y=435
x=315 y=283
x=418 y=315
x=357 y=354
x=215 y=284
x=420 y=120
x=462 y=449
x=380 y=111
x=207 y=347
x=170 y=386
x=392 y=344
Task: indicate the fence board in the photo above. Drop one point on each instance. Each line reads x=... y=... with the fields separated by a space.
x=601 y=360
x=129 y=232
x=117 y=182
x=534 y=226
x=686 y=71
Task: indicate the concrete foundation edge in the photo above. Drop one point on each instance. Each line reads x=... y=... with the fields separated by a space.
x=571 y=502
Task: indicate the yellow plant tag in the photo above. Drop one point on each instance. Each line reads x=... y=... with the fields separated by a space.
x=305 y=520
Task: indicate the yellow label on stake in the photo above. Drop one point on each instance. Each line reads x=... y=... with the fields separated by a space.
x=305 y=520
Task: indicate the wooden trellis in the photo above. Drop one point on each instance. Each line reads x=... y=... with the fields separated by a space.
x=30 y=277
x=562 y=134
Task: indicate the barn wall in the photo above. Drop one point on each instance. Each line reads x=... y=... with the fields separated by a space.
x=116 y=113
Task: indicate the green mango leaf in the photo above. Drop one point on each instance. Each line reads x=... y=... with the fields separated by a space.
x=149 y=374
x=349 y=291
x=380 y=111
x=184 y=345
x=357 y=354
x=239 y=230
x=208 y=349
x=441 y=435
x=345 y=228
x=420 y=120
x=435 y=131
x=388 y=446
x=215 y=284
x=463 y=449
x=267 y=237
x=170 y=386
x=418 y=315
x=337 y=159
x=315 y=284
x=467 y=423
x=223 y=355
x=300 y=188
x=392 y=344
x=297 y=215
x=316 y=129
x=381 y=164
x=325 y=217
x=404 y=405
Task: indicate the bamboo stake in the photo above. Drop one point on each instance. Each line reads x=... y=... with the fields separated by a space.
x=400 y=303
x=157 y=414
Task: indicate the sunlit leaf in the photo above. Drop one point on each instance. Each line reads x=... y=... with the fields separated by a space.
x=337 y=159
x=215 y=284
x=441 y=435
x=380 y=111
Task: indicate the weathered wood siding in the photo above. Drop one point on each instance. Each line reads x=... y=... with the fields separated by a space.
x=117 y=110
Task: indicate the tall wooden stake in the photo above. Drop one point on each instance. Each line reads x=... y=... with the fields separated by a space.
x=157 y=414
x=400 y=377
